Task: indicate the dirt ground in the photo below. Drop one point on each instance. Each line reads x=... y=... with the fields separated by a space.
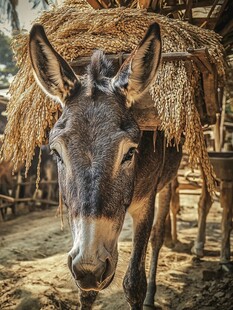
x=34 y=274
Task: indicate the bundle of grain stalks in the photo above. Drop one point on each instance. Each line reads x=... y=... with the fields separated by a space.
x=75 y=29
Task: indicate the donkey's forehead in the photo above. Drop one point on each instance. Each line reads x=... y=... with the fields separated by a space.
x=96 y=109
x=102 y=116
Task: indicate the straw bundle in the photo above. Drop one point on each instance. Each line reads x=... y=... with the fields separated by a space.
x=75 y=29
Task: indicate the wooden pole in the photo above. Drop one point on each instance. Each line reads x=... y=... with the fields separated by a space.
x=217 y=143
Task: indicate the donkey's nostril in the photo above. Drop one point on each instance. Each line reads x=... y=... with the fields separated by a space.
x=89 y=276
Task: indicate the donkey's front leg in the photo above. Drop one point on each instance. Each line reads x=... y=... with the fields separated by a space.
x=157 y=238
x=135 y=283
x=87 y=299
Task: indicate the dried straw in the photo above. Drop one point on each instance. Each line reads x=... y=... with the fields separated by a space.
x=75 y=29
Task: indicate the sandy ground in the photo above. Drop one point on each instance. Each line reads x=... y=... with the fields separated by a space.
x=34 y=274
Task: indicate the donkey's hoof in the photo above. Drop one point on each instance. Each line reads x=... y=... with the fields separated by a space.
x=227 y=267
x=155 y=306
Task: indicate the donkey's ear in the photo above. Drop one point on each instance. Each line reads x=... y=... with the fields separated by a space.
x=52 y=72
x=139 y=70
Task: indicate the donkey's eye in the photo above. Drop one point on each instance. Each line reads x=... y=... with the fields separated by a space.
x=129 y=155
x=56 y=155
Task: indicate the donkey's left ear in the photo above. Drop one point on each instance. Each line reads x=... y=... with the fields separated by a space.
x=52 y=72
x=139 y=70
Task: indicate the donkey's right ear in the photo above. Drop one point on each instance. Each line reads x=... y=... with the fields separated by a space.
x=52 y=72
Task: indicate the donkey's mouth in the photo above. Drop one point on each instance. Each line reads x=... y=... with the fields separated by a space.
x=96 y=287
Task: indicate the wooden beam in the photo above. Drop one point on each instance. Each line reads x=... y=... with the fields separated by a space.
x=85 y=60
x=209 y=80
x=227 y=29
x=221 y=129
x=7 y=198
x=105 y=3
x=41 y=182
x=154 y=5
x=200 y=21
x=223 y=6
x=46 y=201
x=95 y=4
x=203 y=56
x=147 y=119
x=228 y=124
x=188 y=12
x=182 y=7
x=144 y=4
x=209 y=15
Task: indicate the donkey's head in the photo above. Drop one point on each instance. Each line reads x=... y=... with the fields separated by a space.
x=95 y=142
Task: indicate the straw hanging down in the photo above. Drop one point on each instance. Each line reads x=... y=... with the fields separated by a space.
x=75 y=29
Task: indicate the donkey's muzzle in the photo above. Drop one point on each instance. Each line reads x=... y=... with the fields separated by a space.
x=89 y=276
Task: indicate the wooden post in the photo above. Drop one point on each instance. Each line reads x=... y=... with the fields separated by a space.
x=17 y=192
x=226 y=225
x=188 y=12
x=221 y=129
x=217 y=143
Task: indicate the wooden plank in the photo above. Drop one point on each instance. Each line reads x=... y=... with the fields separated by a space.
x=177 y=56
x=85 y=60
x=16 y=200
x=202 y=55
x=5 y=205
x=212 y=106
x=209 y=80
x=144 y=4
x=228 y=124
x=47 y=201
x=154 y=5
x=105 y=3
x=217 y=143
x=147 y=119
x=182 y=7
x=199 y=21
x=7 y=198
x=191 y=54
x=223 y=105
x=190 y=192
x=209 y=15
x=188 y=186
x=95 y=4
x=226 y=200
x=188 y=12
x=221 y=11
x=41 y=182
x=210 y=96
x=228 y=28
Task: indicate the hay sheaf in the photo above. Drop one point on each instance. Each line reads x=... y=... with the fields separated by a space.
x=75 y=29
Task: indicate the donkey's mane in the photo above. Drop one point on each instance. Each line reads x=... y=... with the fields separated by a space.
x=99 y=70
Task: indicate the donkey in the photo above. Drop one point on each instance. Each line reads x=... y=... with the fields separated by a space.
x=106 y=165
